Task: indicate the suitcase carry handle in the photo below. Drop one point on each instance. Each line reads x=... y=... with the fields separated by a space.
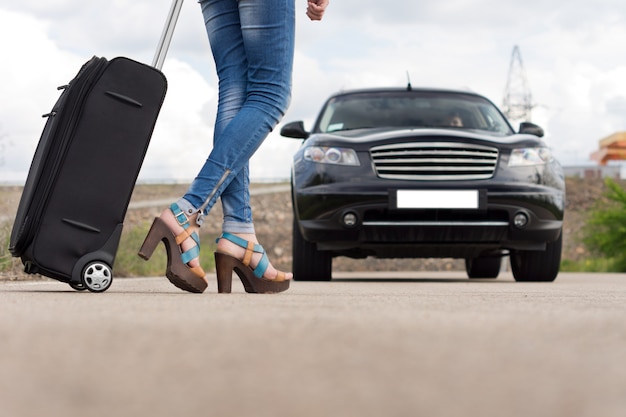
x=166 y=36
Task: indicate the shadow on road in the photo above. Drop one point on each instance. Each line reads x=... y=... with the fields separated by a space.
x=424 y=280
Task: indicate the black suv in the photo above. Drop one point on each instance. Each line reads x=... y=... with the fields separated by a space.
x=424 y=173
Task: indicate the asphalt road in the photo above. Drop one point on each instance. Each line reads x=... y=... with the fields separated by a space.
x=408 y=344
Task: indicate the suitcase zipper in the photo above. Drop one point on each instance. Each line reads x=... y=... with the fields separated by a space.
x=73 y=95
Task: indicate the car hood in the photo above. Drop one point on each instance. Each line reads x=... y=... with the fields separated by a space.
x=378 y=135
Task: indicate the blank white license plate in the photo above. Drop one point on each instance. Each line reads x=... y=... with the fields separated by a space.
x=437 y=199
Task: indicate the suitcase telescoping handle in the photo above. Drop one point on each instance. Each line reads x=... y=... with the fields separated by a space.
x=166 y=37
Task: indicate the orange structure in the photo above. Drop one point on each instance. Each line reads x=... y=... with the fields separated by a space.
x=612 y=148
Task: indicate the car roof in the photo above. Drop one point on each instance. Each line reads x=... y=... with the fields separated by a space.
x=406 y=89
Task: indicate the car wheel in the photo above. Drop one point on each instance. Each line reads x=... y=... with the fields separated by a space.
x=309 y=264
x=535 y=266
x=487 y=267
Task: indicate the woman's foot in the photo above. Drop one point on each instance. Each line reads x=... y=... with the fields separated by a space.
x=170 y=220
x=236 y=251
x=179 y=234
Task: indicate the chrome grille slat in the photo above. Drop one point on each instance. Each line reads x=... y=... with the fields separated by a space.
x=434 y=160
x=442 y=161
x=432 y=152
x=451 y=169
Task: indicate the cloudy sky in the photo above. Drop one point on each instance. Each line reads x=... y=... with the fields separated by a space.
x=574 y=55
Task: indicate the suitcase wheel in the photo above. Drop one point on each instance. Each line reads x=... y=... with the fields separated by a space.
x=97 y=276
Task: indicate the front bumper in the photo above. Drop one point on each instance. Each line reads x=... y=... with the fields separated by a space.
x=377 y=228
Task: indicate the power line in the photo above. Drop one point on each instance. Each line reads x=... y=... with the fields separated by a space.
x=517 y=103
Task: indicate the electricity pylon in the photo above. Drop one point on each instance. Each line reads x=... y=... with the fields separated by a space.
x=517 y=103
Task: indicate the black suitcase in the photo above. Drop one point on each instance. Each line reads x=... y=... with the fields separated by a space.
x=70 y=216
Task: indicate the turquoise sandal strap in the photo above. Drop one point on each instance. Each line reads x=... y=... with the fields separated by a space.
x=262 y=266
x=240 y=242
x=192 y=253
x=180 y=215
x=183 y=221
x=195 y=237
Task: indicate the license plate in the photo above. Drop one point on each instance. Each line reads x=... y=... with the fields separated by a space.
x=437 y=199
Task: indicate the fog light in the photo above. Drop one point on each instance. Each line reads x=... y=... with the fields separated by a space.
x=520 y=220
x=349 y=219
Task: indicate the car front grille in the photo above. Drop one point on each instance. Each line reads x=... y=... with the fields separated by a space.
x=438 y=161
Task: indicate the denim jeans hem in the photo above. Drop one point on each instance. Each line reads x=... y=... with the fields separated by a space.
x=238 y=227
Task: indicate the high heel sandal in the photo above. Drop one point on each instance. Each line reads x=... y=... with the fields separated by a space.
x=252 y=279
x=180 y=274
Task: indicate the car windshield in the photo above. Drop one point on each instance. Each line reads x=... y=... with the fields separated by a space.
x=411 y=109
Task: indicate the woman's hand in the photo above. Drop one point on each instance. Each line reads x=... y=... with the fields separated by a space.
x=316 y=8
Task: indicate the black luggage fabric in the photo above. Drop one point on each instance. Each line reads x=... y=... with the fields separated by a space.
x=85 y=168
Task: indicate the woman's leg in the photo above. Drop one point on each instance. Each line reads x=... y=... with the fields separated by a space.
x=254 y=40
x=233 y=75
x=254 y=66
x=252 y=43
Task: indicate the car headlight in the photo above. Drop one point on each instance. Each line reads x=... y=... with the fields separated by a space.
x=530 y=156
x=331 y=155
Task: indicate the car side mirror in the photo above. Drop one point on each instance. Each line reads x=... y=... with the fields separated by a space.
x=531 y=129
x=294 y=130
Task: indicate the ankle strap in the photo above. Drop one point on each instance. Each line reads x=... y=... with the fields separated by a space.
x=180 y=215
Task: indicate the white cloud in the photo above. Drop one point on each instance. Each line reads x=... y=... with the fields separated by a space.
x=32 y=68
x=571 y=52
x=182 y=138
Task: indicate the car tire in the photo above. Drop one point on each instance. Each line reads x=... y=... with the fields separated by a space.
x=537 y=266
x=487 y=267
x=309 y=264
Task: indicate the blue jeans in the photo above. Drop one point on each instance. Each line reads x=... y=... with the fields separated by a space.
x=253 y=45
